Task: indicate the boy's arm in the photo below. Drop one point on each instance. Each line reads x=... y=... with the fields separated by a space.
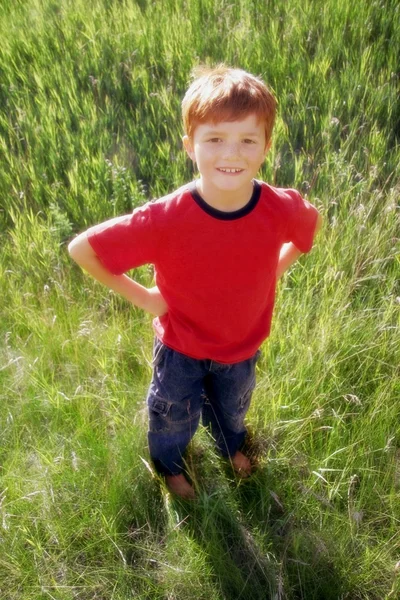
x=289 y=253
x=148 y=299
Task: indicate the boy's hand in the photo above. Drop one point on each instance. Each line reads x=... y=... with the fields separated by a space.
x=156 y=304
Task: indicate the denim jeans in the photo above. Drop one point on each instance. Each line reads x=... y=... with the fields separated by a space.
x=181 y=390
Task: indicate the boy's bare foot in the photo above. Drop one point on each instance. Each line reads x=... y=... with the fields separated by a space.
x=178 y=485
x=241 y=465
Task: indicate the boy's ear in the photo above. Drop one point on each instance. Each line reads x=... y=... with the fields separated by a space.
x=187 y=143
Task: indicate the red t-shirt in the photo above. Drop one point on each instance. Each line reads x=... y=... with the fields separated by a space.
x=216 y=270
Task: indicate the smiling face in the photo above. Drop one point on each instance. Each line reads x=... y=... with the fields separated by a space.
x=228 y=156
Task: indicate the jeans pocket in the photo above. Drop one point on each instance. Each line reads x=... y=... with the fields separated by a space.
x=244 y=401
x=158 y=353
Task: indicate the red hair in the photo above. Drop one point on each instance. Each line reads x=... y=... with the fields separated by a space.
x=226 y=94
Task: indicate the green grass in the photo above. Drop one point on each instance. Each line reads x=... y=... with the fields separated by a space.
x=89 y=128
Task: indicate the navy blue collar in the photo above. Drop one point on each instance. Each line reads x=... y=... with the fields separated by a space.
x=221 y=214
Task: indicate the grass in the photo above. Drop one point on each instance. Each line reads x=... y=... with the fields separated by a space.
x=90 y=128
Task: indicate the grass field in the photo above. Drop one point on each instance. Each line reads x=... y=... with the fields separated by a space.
x=90 y=127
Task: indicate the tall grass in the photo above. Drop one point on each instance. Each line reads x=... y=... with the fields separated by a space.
x=89 y=128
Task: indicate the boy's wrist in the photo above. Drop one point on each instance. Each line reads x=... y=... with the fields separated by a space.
x=148 y=299
x=155 y=303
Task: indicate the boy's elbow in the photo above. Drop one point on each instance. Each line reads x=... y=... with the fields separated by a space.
x=73 y=247
x=79 y=248
x=319 y=222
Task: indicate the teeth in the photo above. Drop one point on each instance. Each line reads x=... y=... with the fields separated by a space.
x=230 y=170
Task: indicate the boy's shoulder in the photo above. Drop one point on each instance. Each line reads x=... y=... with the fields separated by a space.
x=175 y=195
x=170 y=203
x=285 y=195
x=283 y=200
x=183 y=193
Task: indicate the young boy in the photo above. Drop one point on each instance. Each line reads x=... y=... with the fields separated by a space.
x=218 y=246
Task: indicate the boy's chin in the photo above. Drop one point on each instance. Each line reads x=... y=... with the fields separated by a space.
x=239 y=183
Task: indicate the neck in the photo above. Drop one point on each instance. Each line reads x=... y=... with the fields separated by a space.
x=225 y=200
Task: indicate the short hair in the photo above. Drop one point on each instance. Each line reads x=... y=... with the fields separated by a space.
x=226 y=94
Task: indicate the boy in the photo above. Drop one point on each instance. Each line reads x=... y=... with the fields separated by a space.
x=218 y=245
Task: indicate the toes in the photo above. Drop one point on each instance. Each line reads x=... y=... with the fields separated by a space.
x=243 y=471
x=179 y=486
x=241 y=465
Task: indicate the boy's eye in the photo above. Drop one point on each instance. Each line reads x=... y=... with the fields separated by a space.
x=249 y=141
x=214 y=140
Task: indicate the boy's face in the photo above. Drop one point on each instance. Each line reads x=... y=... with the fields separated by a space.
x=228 y=154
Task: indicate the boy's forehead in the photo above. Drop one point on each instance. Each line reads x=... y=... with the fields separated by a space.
x=251 y=124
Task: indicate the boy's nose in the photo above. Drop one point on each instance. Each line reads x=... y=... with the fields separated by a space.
x=231 y=150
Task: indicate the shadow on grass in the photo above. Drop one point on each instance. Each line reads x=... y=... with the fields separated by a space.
x=256 y=545
x=243 y=570
x=256 y=548
x=306 y=558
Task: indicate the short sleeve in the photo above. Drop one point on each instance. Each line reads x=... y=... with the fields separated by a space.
x=301 y=222
x=125 y=242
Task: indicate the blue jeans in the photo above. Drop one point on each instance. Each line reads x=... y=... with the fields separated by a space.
x=182 y=389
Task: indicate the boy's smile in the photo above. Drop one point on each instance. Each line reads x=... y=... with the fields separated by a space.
x=228 y=155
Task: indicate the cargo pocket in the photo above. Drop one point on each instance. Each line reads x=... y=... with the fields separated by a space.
x=160 y=406
x=159 y=410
